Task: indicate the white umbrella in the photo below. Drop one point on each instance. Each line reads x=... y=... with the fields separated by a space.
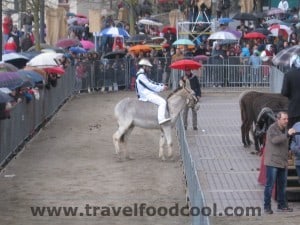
x=150 y=22
x=46 y=59
x=13 y=56
x=222 y=35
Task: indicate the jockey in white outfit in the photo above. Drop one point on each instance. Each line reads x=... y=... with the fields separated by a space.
x=147 y=90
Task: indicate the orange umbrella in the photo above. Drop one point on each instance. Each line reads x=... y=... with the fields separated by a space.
x=139 y=48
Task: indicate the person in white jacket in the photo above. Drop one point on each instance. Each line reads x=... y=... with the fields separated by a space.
x=147 y=90
x=284 y=5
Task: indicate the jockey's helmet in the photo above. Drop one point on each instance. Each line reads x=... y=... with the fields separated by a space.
x=145 y=62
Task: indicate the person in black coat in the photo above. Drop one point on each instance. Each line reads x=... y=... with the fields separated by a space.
x=195 y=86
x=290 y=89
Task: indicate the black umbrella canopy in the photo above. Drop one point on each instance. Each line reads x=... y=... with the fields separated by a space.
x=244 y=16
x=114 y=55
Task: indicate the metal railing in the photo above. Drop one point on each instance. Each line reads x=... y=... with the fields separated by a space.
x=233 y=74
x=28 y=117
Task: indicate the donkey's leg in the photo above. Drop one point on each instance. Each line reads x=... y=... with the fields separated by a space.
x=125 y=137
x=168 y=137
x=161 y=146
x=118 y=136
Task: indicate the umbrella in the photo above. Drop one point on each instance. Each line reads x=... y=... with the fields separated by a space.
x=5 y=97
x=274 y=11
x=47 y=59
x=254 y=35
x=225 y=20
x=139 y=48
x=264 y=31
x=201 y=57
x=156 y=47
x=183 y=42
x=236 y=33
x=70 y=14
x=71 y=20
x=283 y=57
x=66 y=43
x=7 y=67
x=277 y=29
x=244 y=16
x=87 y=44
x=150 y=22
x=227 y=42
x=185 y=64
x=37 y=70
x=166 y=28
x=114 y=55
x=113 y=32
x=158 y=40
x=27 y=80
x=272 y=21
x=77 y=50
x=80 y=15
x=222 y=35
x=82 y=21
x=15 y=59
x=34 y=76
x=56 y=69
x=11 y=80
x=139 y=38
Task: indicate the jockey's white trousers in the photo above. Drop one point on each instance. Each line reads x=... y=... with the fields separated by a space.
x=156 y=99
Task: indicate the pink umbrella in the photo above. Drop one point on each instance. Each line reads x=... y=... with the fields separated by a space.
x=201 y=57
x=87 y=44
x=82 y=21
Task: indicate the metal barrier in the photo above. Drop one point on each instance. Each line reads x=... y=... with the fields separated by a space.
x=233 y=74
x=195 y=194
x=26 y=118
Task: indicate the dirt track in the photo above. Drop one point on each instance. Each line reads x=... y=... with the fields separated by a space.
x=71 y=162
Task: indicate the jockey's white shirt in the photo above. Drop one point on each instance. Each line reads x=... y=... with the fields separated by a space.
x=145 y=86
x=147 y=91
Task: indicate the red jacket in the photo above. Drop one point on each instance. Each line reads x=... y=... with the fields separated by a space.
x=7 y=25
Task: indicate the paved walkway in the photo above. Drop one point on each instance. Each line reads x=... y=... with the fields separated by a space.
x=227 y=171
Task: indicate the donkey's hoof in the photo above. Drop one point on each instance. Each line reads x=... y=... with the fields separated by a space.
x=129 y=158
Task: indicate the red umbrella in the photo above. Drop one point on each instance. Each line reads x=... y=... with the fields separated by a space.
x=66 y=43
x=55 y=69
x=185 y=64
x=254 y=35
x=166 y=28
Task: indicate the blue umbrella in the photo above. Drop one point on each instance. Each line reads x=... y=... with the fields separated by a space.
x=77 y=50
x=183 y=42
x=30 y=74
x=113 y=32
x=225 y=20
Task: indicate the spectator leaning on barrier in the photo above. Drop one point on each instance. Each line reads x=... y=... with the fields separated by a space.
x=276 y=162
